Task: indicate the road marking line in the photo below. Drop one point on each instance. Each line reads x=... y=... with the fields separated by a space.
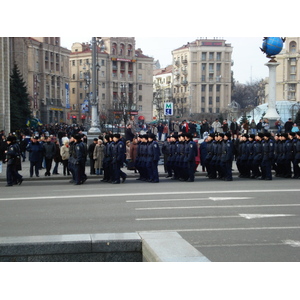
x=149 y=194
x=229 y=198
x=166 y=200
x=224 y=229
x=260 y=216
x=224 y=206
x=238 y=245
x=190 y=199
x=185 y=218
x=292 y=243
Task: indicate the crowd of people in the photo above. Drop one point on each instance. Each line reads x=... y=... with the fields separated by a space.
x=256 y=151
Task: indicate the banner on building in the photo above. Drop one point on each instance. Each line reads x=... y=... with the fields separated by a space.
x=67 y=95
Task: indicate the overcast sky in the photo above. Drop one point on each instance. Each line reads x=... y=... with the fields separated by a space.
x=249 y=61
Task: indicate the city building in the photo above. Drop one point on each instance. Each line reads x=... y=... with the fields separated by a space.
x=202 y=77
x=44 y=66
x=162 y=90
x=4 y=85
x=124 y=81
x=288 y=71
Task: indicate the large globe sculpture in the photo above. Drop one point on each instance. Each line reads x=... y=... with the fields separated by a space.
x=272 y=46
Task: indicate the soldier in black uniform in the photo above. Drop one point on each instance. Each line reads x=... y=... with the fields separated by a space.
x=209 y=149
x=118 y=159
x=191 y=151
x=268 y=156
x=257 y=158
x=227 y=157
x=173 y=156
x=107 y=159
x=250 y=147
x=287 y=155
x=142 y=161
x=297 y=157
x=12 y=155
x=80 y=158
x=153 y=154
x=166 y=150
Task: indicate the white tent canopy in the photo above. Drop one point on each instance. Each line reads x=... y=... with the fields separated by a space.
x=286 y=110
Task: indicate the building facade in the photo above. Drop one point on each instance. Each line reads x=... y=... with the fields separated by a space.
x=4 y=85
x=44 y=66
x=124 y=81
x=202 y=77
x=162 y=90
x=288 y=71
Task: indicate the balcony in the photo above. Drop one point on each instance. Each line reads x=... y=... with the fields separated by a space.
x=184 y=82
x=184 y=61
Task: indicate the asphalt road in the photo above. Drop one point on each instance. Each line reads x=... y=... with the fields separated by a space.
x=243 y=220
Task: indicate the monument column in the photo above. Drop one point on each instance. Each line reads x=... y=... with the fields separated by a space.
x=271 y=114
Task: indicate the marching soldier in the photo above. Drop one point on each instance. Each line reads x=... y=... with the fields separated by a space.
x=297 y=157
x=257 y=156
x=79 y=160
x=227 y=157
x=268 y=156
x=118 y=159
x=153 y=158
x=12 y=155
x=191 y=151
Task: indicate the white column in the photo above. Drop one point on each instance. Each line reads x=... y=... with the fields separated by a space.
x=271 y=114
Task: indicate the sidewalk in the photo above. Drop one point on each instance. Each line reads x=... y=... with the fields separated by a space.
x=130 y=174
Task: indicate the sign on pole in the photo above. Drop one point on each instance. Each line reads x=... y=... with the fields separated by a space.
x=168 y=109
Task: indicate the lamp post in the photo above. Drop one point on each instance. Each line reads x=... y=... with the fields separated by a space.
x=95 y=129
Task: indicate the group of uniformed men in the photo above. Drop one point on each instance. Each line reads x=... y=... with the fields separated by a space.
x=259 y=154
x=115 y=154
x=256 y=155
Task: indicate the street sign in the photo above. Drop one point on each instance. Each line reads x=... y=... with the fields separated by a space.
x=168 y=109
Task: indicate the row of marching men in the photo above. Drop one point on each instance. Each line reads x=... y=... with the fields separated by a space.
x=257 y=155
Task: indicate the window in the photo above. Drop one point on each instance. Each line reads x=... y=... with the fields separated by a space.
x=73 y=76
x=73 y=90
x=203 y=87
x=293 y=47
x=140 y=98
x=203 y=56
x=211 y=55
x=219 y=55
x=140 y=66
x=217 y=99
x=203 y=67
x=140 y=108
x=140 y=87
x=202 y=99
x=80 y=96
x=140 y=77
x=73 y=62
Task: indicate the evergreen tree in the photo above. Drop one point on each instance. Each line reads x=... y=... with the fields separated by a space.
x=297 y=120
x=19 y=101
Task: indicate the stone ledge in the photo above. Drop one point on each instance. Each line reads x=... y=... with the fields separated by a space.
x=169 y=247
x=102 y=247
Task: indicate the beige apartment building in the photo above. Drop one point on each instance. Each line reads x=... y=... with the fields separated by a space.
x=124 y=81
x=202 y=77
x=162 y=90
x=44 y=66
x=288 y=71
x=4 y=85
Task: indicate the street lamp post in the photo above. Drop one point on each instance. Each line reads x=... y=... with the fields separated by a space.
x=95 y=129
